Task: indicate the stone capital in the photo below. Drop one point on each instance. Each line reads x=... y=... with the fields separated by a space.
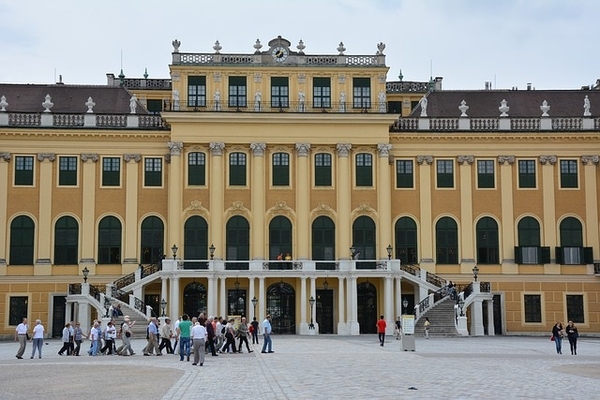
x=93 y=157
x=132 y=157
x=544 y=160
x=46 y=156
x=216 y=148
x=465 y=160
x=343 y=149
x=302 y=149
x=5 y=156
x=175 y=148
x=510 y=160
x=425 y=159
x=258 y=148
x=384 y=149
x=585 y=160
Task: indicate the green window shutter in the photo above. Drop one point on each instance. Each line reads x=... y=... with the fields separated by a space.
x=153 y=172
x=322 y=92
x=237 y=91
x=67 y=174
x=587 y=255
x=196 y=91
x=545 y=255
x=559 y=254
x=323 y=169
x=518 y=255
x=237 y=169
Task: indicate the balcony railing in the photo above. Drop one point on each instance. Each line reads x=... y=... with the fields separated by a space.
x=114 y=121
x=278 y=106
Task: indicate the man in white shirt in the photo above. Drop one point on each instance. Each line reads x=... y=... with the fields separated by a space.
x=176 y=334
x=165 y=337
x=21 y=337
x=266 y=325
x=199 y=340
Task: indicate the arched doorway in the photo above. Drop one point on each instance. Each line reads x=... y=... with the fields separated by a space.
x=194 y=299
x=281 y=304
x=152 y=240
x=323 y=242
x=195 y=239
x=367 y=307
x=238 y=243
x=280 y=241
x=363 y=239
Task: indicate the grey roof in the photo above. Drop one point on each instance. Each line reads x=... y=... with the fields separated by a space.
x=68 y=99
x=522 y=103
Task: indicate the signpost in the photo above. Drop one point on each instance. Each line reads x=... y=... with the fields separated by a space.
x=408 y=332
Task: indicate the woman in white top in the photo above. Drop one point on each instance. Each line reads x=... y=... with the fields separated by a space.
x=38 y=338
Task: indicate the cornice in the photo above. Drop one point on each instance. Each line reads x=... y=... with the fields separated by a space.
x=33 y=132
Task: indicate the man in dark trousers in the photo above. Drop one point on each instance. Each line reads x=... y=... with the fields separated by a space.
x=210 y=333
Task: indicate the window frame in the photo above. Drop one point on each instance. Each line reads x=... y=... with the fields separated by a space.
x=68 y=176
x=66 y=241
x=153 y=177
x=196 y=168
x=196 y=91
x=280 y=92
x=106 y=251
x=403 y=177
x=237 y=92
x=361 y=93
x=323 y=172
x=527 y=179
x=24 y=171
x=537 y=313
x=280 y=169
x=485 y=178
x=571 y=316
x=111 y=174
x=569 y=179
x=15 y=317
x=363 y=168
x=444 y=179
x=321 y=92
x=238 y=171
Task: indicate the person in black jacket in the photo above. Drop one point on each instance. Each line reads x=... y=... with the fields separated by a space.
x=557 y=334
x=572 y=334
x=210 y=333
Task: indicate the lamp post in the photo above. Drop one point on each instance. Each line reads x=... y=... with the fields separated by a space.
x=475 y=273
x=389 y=251
x=461 y=304
x=212 y=249
x=254 y=303
x=405 y=304
x=312 y=303
x=163 y=304
x=85 y=272
x=106 y=305
x=174 y=249
x=325 y=284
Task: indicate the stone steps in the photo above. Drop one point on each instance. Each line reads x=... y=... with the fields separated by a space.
x=441 y=319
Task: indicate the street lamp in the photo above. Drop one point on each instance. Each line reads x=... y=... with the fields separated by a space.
x=163 y=304
x=325 y=284
x=86 y=272
x=312 y=303
x=106 y=305
x=475 y=273
x=405 y=304
x=174 y=249
x=461 y=304
x=389 y=250
x=212 y=249
x=254 y=303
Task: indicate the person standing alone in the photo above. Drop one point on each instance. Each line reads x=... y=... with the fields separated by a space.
x=267 y=343
x=21 y=336
x=381 y=325
x=184 y=329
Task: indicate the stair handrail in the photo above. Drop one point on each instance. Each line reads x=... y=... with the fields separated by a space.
x=428 y=302
x=412 y=269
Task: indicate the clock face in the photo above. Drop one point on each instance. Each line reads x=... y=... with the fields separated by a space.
x=279 y=54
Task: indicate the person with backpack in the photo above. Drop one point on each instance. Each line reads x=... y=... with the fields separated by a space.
x=255 y=331
x=220 y=332
x=229 y=338
x=110 y=334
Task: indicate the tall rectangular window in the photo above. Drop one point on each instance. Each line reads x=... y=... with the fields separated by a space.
x=67 y=171
x=364 y=169
x=153 y=171
x=24 y=170
x=361 y=93
x=568 y=173
x=445 y=174
x=485 y=174
x=281 y=169
x=237 y=91
x=404 y=174
x=322 y=169
x=280 y=92
x=321 y=92
x=111 y=171
x=533 y=307
x=17 y=310
x=575 y=311
x=196 y=91
x=237 y=169
x=526 y=173
x=196 y=169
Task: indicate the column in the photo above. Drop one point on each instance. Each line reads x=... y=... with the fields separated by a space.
x=467 y=241
x=341 y=326
x=303 y=201
x=217 y=185
x=43 y=265
x=388 y=294
x=251 y=295
x=258 y=201
x=163 y=292
x=352 y=308
x=88 y=206
x=398 y=296
x=211 y=298
x=4 y=172
x=590 y=164
x=174 y=298
x=261 y=299
x=344 y=195
x=548 y=198
x=130 y=230
x=508 y=236
x=426 y=240
x=303 y=323
x=223 y=298
x=175 y=195
x=384 y=199
x=490 y=318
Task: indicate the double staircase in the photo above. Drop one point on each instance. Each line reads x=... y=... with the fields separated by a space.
x=139 y=323
x=441 y=318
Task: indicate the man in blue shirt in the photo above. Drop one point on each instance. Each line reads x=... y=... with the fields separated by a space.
x=152 y=346
x=266 y=325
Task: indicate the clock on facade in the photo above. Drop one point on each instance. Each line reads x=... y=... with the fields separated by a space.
x=280 y=54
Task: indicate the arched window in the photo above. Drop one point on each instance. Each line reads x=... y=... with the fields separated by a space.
x=152 y=240
x=66 y=241
x=281 y=304
x=22 y=231
x=571 y=233
x=323 y=242
x=406 y=240
x=446 y=235
x=238 y=243
x=529 y=250
x=487 y=241
x=280 y=237
x=109 y=241
x=194 y=299
x=572 y=251
x=195 y=242
x=363 y=239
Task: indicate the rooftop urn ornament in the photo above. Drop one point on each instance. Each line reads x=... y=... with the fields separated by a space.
x=47 y=104
x=400 y=76
x=217 y=47
x=301 y=46
x=145 y=73
x=3 y=103
x=257 y=46
x=90 y=105
x=586 y=106
x=545 y=108
x=463 y=108
x=341 y=49
x=380 y=48
x=176 y=43
x=503 y=108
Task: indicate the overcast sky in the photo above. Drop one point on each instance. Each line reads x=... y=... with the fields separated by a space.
x=550 y=43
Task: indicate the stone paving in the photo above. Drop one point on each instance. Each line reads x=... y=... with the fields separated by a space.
x=323 y=367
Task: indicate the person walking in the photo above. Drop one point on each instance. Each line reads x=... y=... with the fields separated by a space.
x=229 y=338
x=426 y=325
x=381 y=325
x=125 y=349
x=110 y=334
x=267 y=343
x=398 y=328
x=572 y=335
x=38 y=338
x=242 y=332
x=152 y=346
x=254 y=324
x=95 y=339
x=21 y=335
x=78 y=337
x=211 y=336
x=165 y=337
x=220 y=332
x=199 y=339
x=557 y=334
x=65 y=338
x=184 y=330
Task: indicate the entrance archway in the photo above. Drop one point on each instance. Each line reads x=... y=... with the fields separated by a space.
x=367 y=307
x=194 y=299
x=281 y=304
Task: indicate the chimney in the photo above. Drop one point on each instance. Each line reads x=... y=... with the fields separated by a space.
x=60 y=82
x=528 y=85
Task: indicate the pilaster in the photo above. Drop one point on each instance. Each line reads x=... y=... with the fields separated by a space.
x=467 y=251
x=426 y=239
x=175 y=195
x=590 y=166
x=549 y=207
x=506 y=196
x=4 y=173
x=217 y=190
x=43 y=265
x=131 y=209
x=344 y=195
x=303 y=200
x=258 y=200
x=384 y=198
x=88 y=217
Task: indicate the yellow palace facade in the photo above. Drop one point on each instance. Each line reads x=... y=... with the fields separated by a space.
x=304 y=186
